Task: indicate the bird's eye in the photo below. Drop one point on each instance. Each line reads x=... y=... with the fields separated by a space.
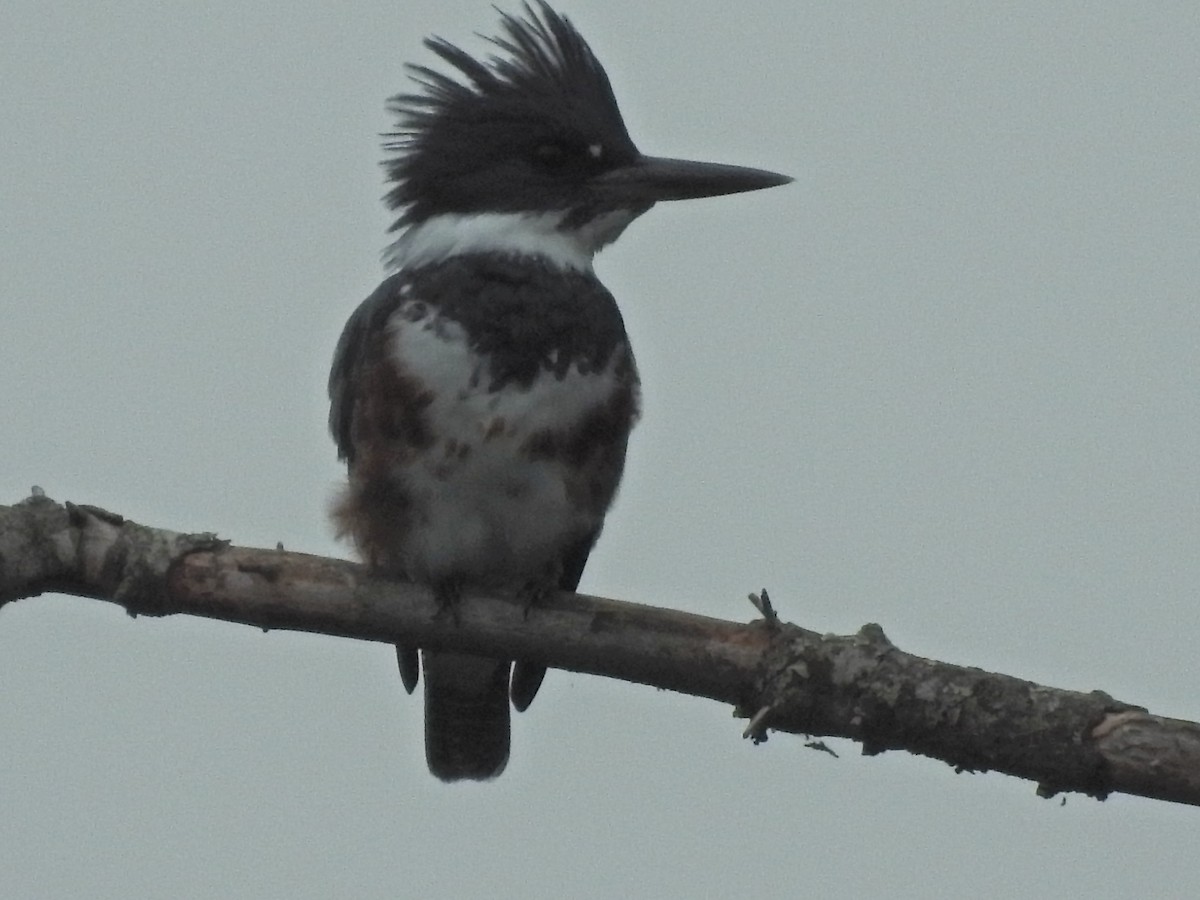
x=552 y=154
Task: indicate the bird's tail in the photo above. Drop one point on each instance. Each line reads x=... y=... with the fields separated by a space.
x=466 y=715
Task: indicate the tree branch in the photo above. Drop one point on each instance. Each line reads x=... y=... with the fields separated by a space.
x=780 y=676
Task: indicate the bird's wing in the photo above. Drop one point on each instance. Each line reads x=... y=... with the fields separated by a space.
x=355 y=351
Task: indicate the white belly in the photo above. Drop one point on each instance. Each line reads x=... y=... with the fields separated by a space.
x=483 y=507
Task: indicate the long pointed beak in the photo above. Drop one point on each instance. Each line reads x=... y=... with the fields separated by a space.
x=654 y=178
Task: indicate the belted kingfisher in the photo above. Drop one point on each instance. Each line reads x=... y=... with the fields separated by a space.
x=483 y=395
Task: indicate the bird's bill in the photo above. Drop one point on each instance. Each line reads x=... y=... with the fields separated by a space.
x=654 y=178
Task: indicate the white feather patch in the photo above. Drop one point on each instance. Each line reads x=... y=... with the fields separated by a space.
x=518 y=234
x=485 y=508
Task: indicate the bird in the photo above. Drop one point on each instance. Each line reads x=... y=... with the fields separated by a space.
x=483 y=396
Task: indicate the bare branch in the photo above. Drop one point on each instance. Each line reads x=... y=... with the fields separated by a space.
x=778 y=675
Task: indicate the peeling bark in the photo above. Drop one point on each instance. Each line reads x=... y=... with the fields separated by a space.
x=781 y=677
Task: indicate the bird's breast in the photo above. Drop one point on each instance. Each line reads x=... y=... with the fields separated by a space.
x=511 y=471
x=468 y=403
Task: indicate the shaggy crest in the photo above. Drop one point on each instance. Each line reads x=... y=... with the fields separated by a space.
x=542 y=101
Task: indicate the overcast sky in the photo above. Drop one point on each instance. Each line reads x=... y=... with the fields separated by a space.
x=947 y=381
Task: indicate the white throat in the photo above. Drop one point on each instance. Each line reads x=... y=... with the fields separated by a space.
x=516 y=234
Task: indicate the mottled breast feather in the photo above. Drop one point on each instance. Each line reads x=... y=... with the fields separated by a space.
x=526 y=316
x=484 y=404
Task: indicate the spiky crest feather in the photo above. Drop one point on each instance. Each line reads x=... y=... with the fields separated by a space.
x=546 y=75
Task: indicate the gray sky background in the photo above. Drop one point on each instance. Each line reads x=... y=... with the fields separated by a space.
x=946 y=382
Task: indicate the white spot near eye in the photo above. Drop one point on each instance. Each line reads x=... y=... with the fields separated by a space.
x=595 y=151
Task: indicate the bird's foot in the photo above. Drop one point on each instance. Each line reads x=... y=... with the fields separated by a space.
x=448 y=595
x=537 y=591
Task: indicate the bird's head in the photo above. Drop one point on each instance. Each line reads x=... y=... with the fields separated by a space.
x=533 y=129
